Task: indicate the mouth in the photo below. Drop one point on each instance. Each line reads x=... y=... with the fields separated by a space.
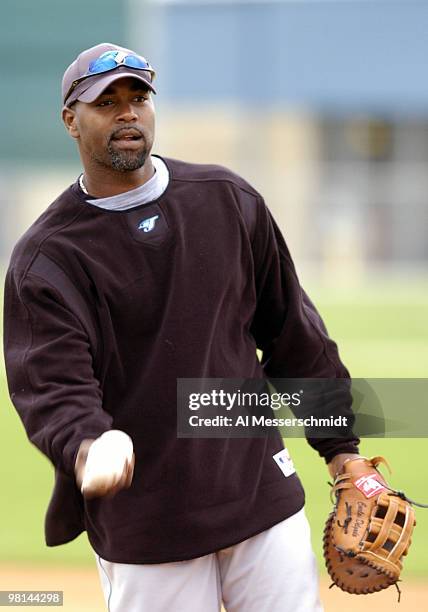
x=127 y=136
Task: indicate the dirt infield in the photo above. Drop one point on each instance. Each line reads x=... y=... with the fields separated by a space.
x=82 y=592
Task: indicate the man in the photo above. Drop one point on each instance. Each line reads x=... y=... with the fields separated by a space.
x=148 y=270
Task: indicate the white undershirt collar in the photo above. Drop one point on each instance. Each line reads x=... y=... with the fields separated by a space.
x=150 y=191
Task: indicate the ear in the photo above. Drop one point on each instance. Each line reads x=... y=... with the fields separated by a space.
x=70 y=121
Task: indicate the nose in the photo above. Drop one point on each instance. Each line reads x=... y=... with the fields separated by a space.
x=127 y=113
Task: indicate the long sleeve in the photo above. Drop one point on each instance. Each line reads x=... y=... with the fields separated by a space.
x=49 y=369
x=288 y=329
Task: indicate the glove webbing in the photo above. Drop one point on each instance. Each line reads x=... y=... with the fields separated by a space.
x=404 y=497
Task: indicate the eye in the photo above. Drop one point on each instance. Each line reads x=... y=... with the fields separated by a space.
x=104 y=103
x=141 y=97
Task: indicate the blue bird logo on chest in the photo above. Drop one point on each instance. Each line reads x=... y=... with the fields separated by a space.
x=148 y=224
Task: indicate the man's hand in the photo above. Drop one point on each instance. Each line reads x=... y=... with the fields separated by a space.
x=106 y=465
x=336 y=464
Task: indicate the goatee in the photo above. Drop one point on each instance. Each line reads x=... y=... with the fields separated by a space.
x=126 y=161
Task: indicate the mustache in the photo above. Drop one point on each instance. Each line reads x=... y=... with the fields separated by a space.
x=125 y=128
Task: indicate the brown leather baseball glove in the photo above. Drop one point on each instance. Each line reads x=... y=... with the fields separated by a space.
x=369 y=531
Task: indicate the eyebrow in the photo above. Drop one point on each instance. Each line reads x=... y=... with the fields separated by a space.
x=135 y=86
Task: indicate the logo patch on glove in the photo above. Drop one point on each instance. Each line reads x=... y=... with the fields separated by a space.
x=369 y=486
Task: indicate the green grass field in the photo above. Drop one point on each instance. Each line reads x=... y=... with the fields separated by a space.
x=382 y=331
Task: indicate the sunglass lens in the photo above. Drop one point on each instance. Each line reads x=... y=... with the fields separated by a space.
x=102 y=64
x=135 y=62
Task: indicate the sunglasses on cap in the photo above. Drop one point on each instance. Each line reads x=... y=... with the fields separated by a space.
x=110 y=60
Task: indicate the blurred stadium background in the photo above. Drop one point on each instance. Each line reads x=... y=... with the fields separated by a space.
x=322 y=106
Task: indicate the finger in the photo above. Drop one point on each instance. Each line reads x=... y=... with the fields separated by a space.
x=130 y=472
x=80 y=463
x=99 y=487
x=114 y=485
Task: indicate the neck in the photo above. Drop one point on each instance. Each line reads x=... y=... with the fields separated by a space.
x=103 y=184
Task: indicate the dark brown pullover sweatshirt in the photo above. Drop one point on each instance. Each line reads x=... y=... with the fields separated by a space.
x=101 y=318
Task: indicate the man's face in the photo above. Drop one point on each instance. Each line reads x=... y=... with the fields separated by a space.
x=115 y=131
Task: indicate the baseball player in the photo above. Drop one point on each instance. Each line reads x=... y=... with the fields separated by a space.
x=144 y=271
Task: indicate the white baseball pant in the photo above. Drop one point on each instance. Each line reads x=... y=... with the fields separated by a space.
x=274 y=571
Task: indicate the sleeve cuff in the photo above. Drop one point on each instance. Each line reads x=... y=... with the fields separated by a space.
x=330 y=447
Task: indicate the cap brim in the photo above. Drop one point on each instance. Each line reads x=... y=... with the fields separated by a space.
x=89 y=89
